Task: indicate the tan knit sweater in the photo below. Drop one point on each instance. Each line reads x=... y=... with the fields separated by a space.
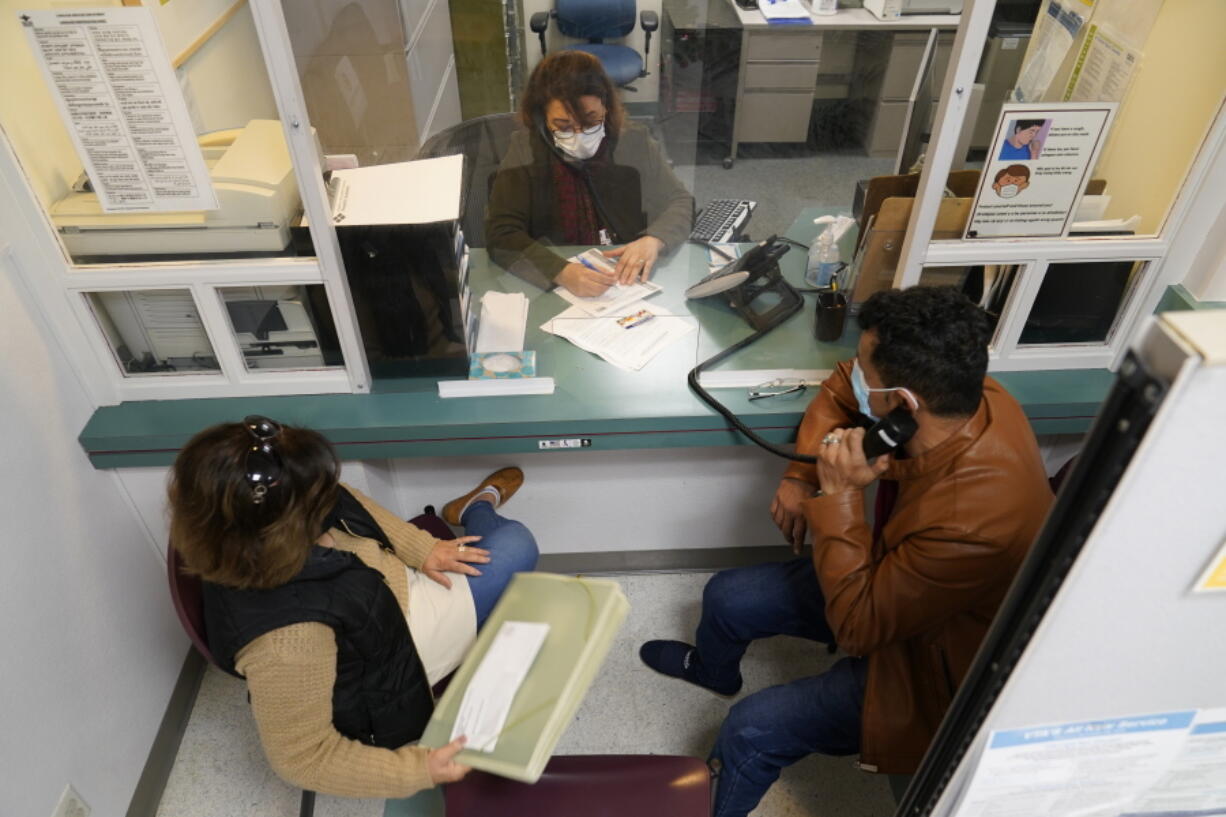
x=291 y=671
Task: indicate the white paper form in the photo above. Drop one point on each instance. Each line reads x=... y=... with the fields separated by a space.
x=1103 y=70
x=123 y=107
x=1053 y=37
x=417 y=192
x=613 y=298
x=627 y=344
x=504 y=319
x=491 y=690
x=1158 y=764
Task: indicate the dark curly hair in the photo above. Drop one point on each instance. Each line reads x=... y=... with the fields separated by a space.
x=933 y=341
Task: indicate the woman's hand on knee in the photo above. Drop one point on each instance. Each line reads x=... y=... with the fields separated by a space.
x=441 y=765
x=454 y=556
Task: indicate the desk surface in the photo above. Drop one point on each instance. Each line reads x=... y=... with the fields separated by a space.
x=850 y=20
x=594 y=401
x=726 y=14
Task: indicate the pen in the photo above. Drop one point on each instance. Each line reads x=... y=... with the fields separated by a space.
x=590 y=266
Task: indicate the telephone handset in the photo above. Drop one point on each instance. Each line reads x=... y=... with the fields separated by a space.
x=889 y=433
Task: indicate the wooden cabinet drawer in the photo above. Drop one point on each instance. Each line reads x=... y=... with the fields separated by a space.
x=792 y=74
x=774 y=116
x=784 y=45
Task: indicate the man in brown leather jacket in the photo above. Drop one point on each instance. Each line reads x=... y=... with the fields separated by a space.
x=908 y=602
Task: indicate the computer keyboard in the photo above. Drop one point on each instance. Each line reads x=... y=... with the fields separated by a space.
x=722 y=220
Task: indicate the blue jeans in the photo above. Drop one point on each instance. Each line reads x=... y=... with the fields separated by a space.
x=512 y=549
x=777 y=726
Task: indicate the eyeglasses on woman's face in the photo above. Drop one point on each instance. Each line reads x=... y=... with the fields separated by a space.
x=263 y=466
x=563 y=124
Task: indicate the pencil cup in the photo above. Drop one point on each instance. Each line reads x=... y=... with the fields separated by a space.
x=829 y=316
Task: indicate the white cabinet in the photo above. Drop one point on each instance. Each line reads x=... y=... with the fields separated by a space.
x=378 y=75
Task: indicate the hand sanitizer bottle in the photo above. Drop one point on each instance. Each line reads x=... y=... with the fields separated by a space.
x=823 y=261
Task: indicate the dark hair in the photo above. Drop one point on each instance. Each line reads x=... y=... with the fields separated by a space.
x=1022 y=124
x=1014 y=170
x=566 y=76
x=225 y=537
x=933 y=341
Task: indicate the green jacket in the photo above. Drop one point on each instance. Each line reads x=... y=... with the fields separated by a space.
x=639 y=192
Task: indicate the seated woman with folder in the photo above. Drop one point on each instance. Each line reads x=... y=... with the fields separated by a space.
x=338 y=614
x=581 y=174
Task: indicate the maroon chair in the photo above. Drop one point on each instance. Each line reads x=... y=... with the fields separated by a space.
x=1060 y=476
x=188 y=600
x=591 y=785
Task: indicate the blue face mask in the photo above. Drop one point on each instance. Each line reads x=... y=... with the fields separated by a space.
x=860 y=386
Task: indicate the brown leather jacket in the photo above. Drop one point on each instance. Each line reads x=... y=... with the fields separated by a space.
x=918 y=603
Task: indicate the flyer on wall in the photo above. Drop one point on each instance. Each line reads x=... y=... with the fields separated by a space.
x=1166 y=764
x=122 y=105
x=1037 y=168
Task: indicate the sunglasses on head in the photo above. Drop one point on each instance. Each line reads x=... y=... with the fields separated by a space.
x=263 y=462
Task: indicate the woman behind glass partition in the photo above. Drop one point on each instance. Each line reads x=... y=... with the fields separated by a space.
x=582 y=174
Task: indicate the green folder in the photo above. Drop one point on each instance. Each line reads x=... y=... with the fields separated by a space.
x=583 y=616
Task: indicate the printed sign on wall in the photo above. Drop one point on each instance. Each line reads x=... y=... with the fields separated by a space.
x=1037 y=169
x=119 y=99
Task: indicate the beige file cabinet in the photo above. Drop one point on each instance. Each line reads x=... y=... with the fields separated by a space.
x=906 y=54
x=778 y=75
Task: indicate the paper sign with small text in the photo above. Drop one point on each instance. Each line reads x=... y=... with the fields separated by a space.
x=1037 y=169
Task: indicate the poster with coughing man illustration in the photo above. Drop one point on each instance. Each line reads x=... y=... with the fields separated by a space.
x=1036 y=170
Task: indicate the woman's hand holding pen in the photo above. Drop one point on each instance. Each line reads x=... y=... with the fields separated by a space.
x=584 y=281
x=635 y=260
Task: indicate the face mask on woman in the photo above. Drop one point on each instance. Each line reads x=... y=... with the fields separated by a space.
x=579 y=144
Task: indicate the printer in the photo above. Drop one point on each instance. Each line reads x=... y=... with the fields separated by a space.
x=893 y=9
x=256 y=190
x=274 y=333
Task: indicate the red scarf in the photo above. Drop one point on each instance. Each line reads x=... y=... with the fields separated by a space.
x=577 y=217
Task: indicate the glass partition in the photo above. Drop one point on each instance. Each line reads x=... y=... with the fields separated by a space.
x=1159 y=63
x=989 y=285
x=147 y=133
x=282 y=327
x=1080 y=302
x=153 y=331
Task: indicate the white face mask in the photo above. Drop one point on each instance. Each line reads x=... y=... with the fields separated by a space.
x=579 y=144
x=1009 y=191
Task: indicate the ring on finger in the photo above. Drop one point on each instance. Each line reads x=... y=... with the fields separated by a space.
x=461 y=548
x=830 y=439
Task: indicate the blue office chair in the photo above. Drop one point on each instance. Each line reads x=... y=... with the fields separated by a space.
x=597 y=21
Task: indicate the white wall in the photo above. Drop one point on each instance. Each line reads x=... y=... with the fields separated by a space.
x=91 y=644
x=647 y=88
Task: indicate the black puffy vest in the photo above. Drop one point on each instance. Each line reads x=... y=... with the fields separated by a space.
x=381 y=696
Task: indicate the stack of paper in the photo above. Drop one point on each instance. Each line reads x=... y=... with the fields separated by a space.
x=504 y=318
x=617 y=325
x=614 y=298
x=628 y=337
x=380 y=194
x=784 y=11
x=583 y=616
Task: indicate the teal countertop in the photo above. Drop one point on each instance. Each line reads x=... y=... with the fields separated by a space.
x=602 y=406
